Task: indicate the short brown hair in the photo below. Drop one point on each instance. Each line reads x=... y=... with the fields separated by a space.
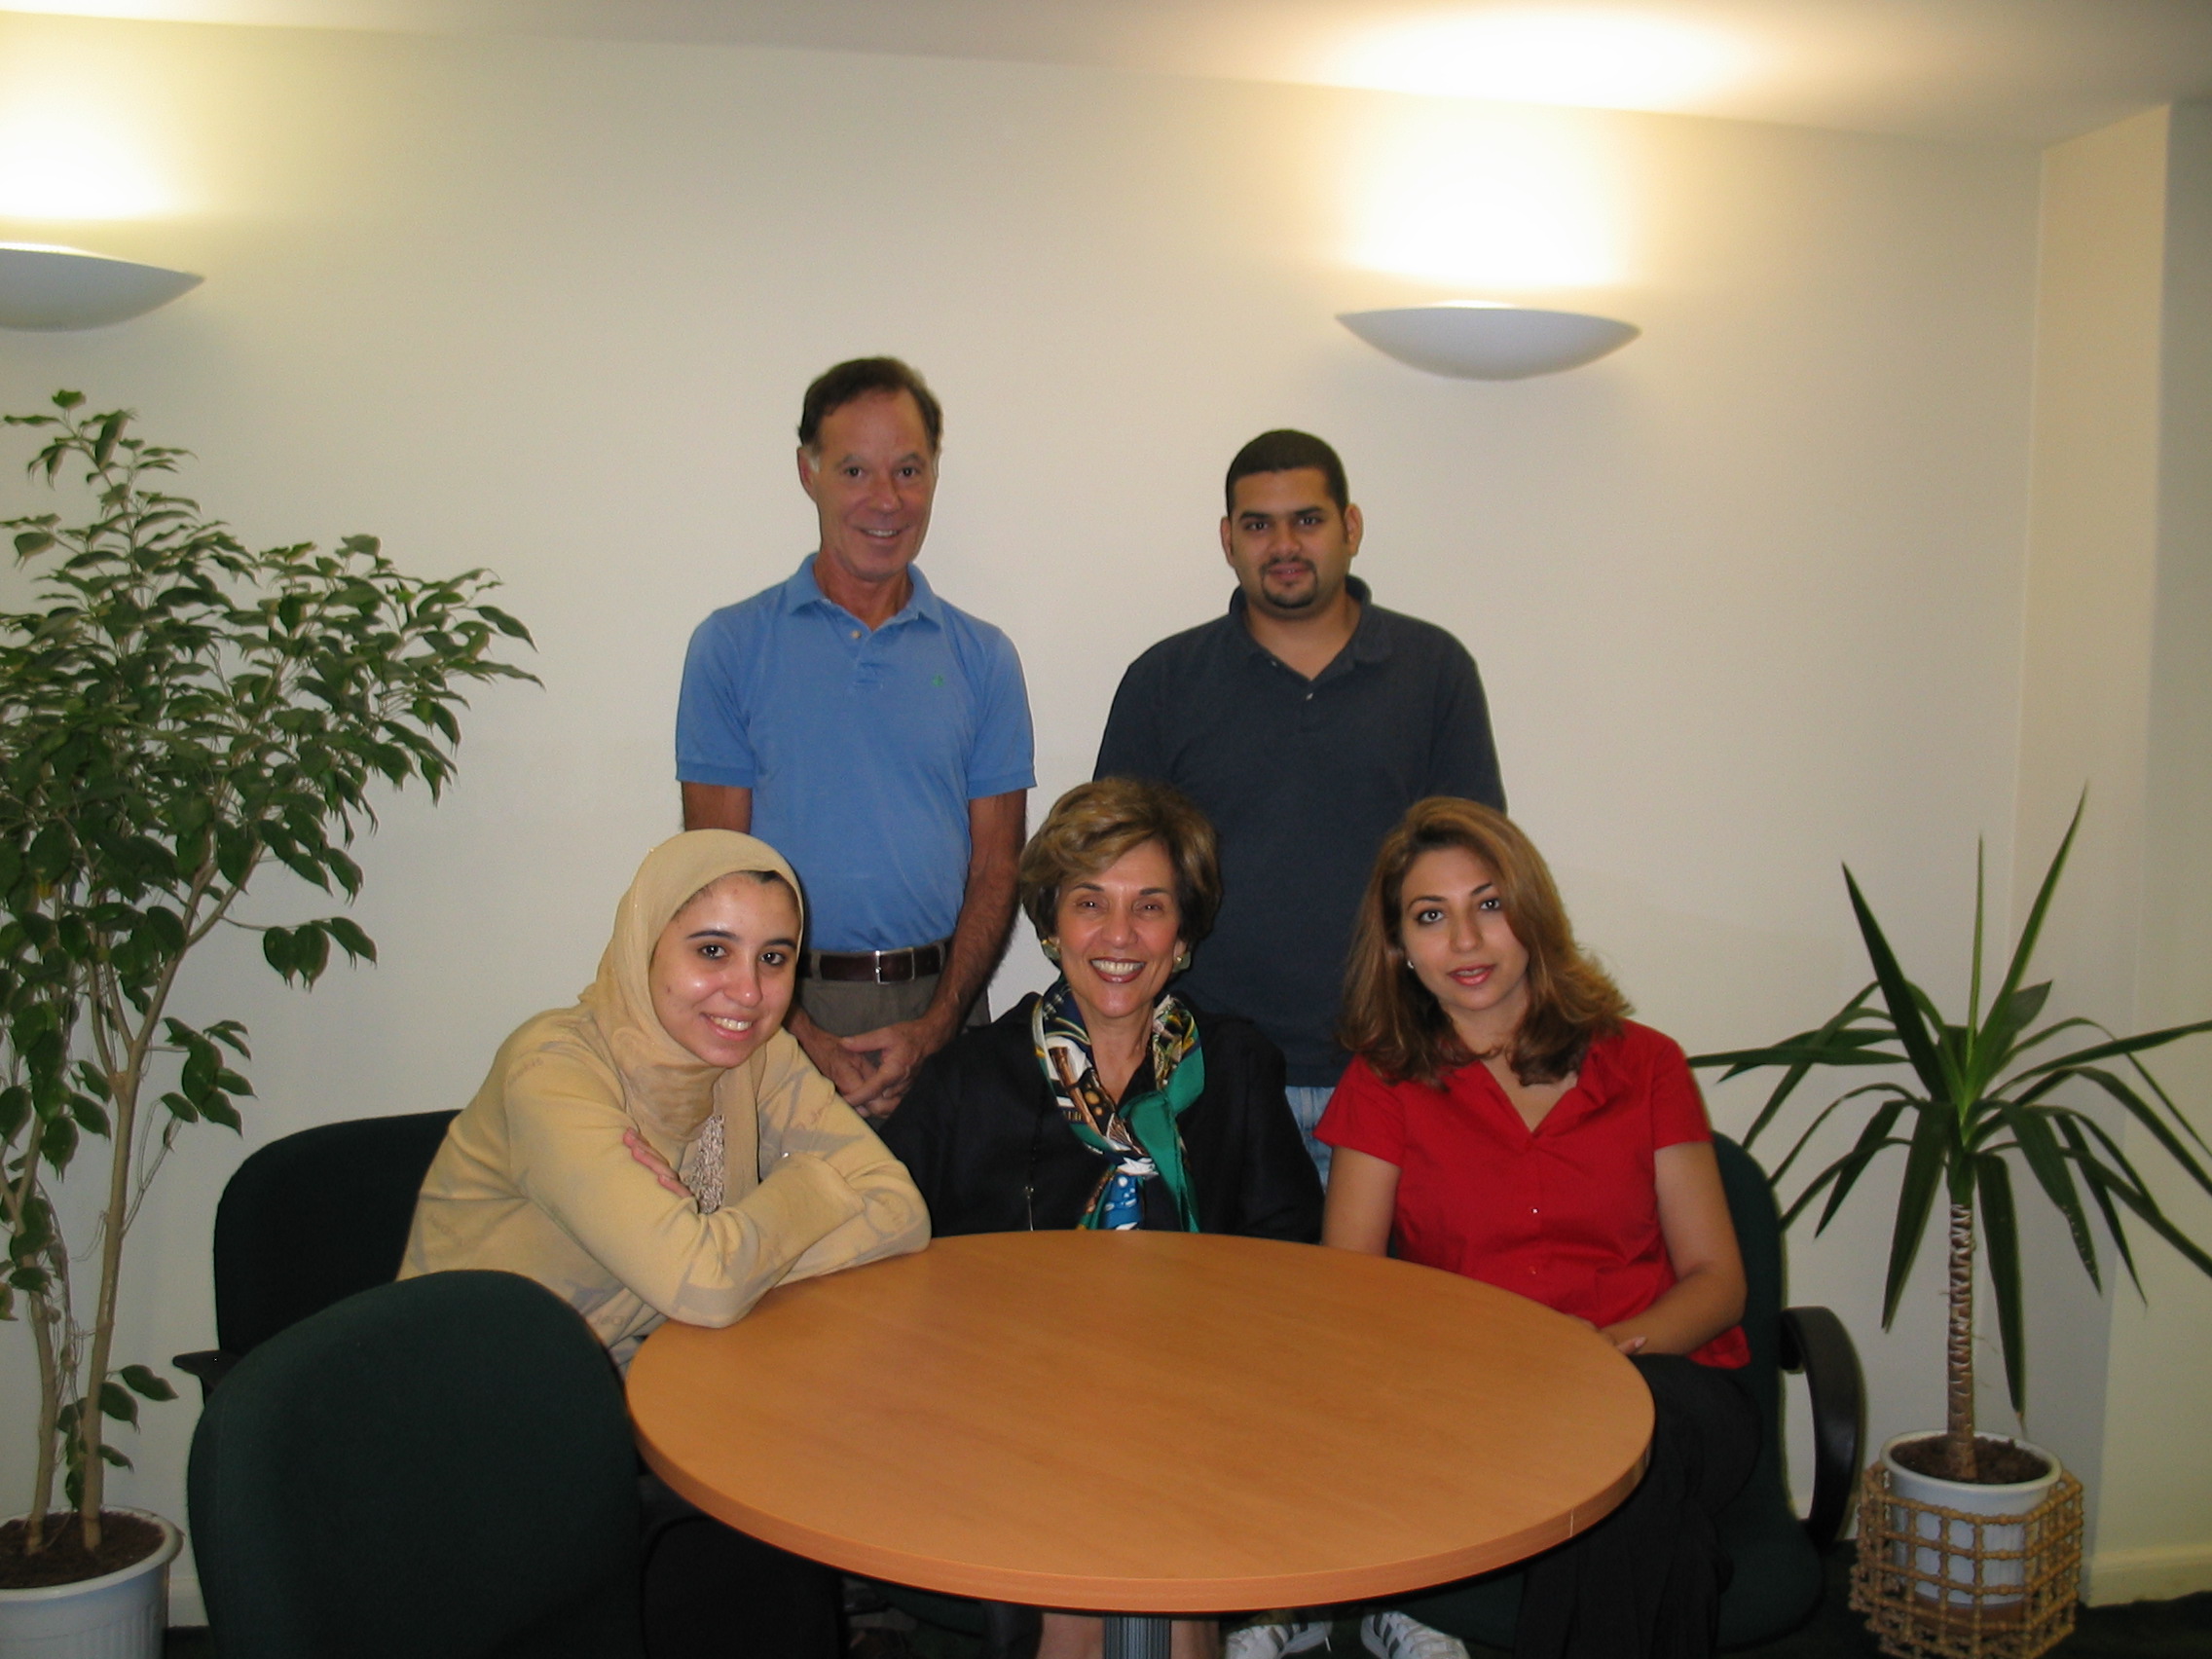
x=867 y=377
x=1287 y=450
x=1095 y=822
x=1393 y=1020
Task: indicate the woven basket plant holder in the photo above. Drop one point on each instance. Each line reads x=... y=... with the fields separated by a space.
x=1994 y=1587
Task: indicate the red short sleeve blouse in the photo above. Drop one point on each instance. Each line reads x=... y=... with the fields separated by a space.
x=1567 y=1214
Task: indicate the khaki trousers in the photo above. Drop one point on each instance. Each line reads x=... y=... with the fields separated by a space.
x=846 y=1008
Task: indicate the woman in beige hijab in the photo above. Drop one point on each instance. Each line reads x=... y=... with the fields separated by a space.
x=677 y=1048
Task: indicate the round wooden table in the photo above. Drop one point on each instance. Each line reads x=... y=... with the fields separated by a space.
x=1146 y=1423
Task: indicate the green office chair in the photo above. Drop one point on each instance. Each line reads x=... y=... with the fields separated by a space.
x=308 y=1219
x=1778 y=1571
x=441 y=1467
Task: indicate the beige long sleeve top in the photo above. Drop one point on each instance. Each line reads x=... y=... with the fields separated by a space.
x=534 y=1177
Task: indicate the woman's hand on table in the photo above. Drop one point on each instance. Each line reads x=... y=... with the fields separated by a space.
x=653 y=1161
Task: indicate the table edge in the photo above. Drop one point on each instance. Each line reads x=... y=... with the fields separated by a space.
x=1236 y=1593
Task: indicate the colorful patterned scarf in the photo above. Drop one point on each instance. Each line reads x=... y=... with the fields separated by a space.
x=1139 y=1134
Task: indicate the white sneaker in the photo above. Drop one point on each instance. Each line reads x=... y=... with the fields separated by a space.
x=1394 y=1635
x=1274 y=1640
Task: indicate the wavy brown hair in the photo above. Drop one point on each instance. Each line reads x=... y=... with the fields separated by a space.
x=1393 y=1020
x=1095 y=822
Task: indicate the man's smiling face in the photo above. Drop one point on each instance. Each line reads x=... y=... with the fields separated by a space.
x=872 y=475
x=1289 y=543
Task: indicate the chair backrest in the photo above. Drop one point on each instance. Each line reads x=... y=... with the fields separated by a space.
x=441 y=1467
x=314 y=1217
x=1759 y=1237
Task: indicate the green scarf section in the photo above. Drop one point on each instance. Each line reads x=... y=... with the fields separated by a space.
x=1140 y=1134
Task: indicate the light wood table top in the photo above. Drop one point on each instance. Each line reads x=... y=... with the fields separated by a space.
x=1148 y=1423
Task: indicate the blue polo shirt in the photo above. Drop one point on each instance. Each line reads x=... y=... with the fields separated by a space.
x=862 y=748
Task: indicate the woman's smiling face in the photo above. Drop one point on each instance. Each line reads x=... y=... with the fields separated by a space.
x=724 y=968
x=1453 y=928
x=1119 y=931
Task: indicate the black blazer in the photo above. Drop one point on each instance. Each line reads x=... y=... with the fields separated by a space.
x=987 y=1144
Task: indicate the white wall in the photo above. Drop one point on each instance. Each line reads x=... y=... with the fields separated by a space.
x=2118 y=694
x=1749 y=596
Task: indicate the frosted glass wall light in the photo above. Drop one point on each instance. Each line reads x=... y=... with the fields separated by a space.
x=65 y=287
x=1488 y=340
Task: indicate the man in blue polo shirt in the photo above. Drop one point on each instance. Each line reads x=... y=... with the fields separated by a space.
x=876 y=737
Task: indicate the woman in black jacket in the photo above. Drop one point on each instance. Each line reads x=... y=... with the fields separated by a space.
x=1108 y=1101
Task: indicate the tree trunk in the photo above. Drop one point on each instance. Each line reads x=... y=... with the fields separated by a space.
x=1959 y=1460
x=43 y=1320
x=91 y=1420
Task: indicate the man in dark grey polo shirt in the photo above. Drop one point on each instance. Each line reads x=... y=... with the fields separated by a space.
x=1304 y=723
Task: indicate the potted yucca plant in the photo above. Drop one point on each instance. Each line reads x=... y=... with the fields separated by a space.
x=178 y=711
x=1985 y=1097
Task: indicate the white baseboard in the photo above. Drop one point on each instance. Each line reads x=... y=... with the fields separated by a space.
x=2149 y=1575
x=186 y=1608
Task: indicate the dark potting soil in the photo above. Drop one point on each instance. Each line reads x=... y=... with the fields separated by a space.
x=1999 y=1463
x=124 y=1539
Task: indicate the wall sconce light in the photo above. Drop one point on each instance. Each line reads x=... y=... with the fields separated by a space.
x=1488 y=340
x=65 y=287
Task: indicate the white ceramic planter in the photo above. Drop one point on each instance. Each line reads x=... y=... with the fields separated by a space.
x=118 y=1615
x=2017 y=1498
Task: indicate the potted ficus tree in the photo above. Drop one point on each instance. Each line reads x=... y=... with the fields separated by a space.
x=179 y=712
x=1983 y=1095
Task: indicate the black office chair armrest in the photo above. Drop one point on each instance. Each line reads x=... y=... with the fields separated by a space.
x=209 y=1365
x=1815 y=1341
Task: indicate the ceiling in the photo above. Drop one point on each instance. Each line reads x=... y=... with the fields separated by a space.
x=2016 y=71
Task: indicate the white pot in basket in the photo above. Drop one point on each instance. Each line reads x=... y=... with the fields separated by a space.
x=2018 y=1498
x=118 y=1615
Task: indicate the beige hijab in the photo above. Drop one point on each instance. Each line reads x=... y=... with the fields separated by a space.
x=666 y=1087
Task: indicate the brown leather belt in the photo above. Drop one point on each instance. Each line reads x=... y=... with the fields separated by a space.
x=874 y=967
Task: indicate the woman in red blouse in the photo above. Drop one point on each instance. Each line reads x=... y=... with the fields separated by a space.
x=1504 y=1118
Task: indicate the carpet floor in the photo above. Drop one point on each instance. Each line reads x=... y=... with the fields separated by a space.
x=2180 y=1629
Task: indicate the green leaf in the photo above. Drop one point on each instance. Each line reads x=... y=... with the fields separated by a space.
x=2118 y=1048
x=2094 y=1177
x=107 y=434
x=15 y=1111
x=2046 y=1161
x=357 y=944
x=347 y=872
x=1981 y=890
x=2148 y=1212
x=1903 y=998
x=236 y=850
x=1924 y=1170
x=277 y=950
x=2141 y=1112
x=507 y=624
x=1872 y=1138
x=2001 y=1231
x=150 y=1385
x=2024 y=949
x=115 y=1402
x=51 y=853
x=58 y=1143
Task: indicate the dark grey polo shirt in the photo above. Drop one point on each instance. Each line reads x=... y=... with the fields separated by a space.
x=1301 y=779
